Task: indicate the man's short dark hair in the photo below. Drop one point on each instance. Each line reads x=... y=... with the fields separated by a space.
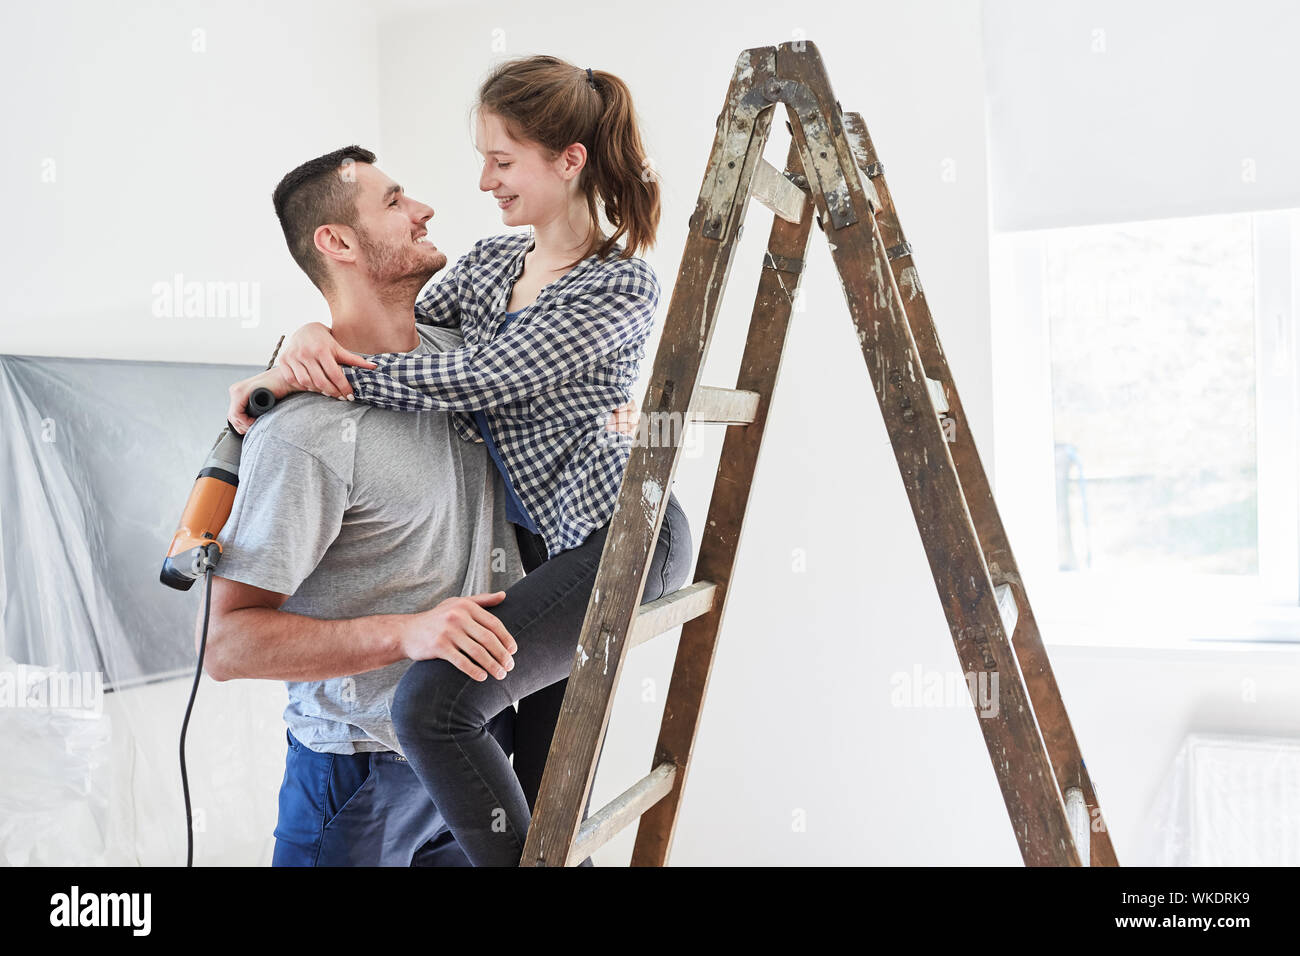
x=318 y=192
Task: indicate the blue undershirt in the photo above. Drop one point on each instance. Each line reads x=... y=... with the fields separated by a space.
x=515 y=510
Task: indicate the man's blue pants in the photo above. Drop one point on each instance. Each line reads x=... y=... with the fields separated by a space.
x=366 y=809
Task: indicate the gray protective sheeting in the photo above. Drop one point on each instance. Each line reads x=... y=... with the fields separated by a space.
x=97 y=459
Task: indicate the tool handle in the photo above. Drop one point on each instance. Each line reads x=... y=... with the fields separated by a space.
x=261 y=401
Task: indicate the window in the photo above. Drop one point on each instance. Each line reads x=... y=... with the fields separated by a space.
x=1146 y=431
x=1152 y=338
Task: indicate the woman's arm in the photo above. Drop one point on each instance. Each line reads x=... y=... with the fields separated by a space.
x=439 y=303
x=574 y=335
x=313 y=358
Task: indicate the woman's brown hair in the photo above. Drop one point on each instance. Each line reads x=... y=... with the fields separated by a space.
x=547 y=101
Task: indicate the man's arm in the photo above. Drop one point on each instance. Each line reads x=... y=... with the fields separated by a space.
x=249 y=637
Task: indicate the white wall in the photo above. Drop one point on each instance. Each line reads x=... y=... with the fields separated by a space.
x=165 y=146
x=1106 y=110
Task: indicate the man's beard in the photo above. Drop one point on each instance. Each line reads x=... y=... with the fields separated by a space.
x=398 y=264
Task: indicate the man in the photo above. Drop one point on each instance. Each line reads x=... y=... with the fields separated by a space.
x=360 y=540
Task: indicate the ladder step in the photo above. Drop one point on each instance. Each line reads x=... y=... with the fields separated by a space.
x=604 y=824
x=770 y=187
x=1007 y=608
x=671 y=610
x=723 y=406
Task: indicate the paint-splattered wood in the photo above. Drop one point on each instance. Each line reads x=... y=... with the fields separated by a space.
x=742 y=131
x=1049 y=707
x=1020 y=762
x=723 y=406
x=760 y=366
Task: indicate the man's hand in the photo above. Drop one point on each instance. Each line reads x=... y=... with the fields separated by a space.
x=462 y=632
x=312 y=358
x=272 y=378
x=623 y=419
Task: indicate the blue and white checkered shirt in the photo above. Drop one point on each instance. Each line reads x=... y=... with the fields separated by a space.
x=547 y=384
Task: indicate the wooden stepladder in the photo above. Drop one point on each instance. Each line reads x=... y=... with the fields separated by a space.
x=832 y=167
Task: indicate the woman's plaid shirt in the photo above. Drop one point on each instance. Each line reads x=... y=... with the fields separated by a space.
x=547 y=385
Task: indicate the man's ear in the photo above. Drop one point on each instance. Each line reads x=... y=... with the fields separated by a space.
x=336 y=242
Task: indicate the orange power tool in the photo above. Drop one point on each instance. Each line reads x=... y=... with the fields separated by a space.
x=194 y=548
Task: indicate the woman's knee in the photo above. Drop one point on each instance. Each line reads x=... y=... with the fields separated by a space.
x=434 y=697
x=682 y=552
x=672 y=556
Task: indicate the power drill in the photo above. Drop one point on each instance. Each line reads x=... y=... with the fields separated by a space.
x=194 y=548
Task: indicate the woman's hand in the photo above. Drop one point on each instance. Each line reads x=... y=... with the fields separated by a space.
x=273 y=378
x=311 y=359
x=623 y=419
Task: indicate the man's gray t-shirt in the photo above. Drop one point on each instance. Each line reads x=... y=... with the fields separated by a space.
x=354 y=511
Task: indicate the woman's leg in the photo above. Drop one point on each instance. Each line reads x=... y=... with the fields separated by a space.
x=540 y=711
x=440 y=712
x=541 y=708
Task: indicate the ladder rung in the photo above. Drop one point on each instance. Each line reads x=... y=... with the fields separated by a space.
x=600 y=827
x=770 y=187
x=723 y=406
x=669 y=611
x=937 y=395
x=1007 y=608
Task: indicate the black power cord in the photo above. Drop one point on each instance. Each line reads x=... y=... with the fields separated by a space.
x=198 y=673
x=260 y=401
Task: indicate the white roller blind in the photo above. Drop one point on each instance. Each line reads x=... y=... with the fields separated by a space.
x=1110 y=111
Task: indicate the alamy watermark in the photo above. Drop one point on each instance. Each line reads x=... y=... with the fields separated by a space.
x=40 y=688
x=75 y=908
x=665 y=430
x=929 y=688
x=181 y=299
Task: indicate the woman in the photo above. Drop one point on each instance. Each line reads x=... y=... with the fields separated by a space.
x=554 y=325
